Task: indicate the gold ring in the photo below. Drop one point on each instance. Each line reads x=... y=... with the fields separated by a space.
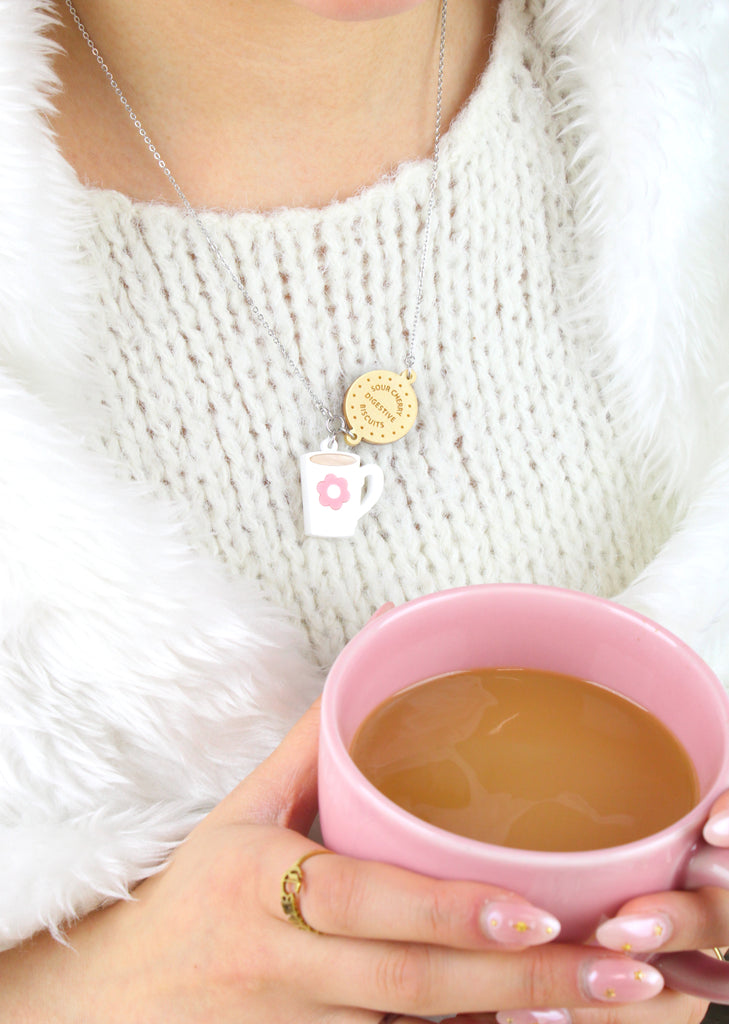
x=291 y=884
x=718 y=952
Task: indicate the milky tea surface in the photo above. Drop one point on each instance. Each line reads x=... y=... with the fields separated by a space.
x=527 y=759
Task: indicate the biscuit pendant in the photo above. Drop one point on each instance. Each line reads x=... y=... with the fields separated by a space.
x=380 y=407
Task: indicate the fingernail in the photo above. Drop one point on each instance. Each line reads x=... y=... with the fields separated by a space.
x=613 y=980
x=533 y=1017
x=635 y=933
x=716 y=829
x=517 y=924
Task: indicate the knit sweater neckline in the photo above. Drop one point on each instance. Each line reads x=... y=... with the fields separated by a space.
x=514 y=471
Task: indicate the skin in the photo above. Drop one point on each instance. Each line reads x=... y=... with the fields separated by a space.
x=262 y=103
x=358 y=10
x=207 y=939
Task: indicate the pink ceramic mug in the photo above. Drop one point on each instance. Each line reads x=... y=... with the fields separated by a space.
x=531 y=626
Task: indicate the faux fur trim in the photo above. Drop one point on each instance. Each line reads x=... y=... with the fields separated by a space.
x=647 y=86
x=43 y=213
x=686 y=587
x=138 y=684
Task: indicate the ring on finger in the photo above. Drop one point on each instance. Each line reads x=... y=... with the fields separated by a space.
x=291 y=885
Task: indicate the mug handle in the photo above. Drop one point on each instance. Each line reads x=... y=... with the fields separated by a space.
x=375 y=483
x=691 y=971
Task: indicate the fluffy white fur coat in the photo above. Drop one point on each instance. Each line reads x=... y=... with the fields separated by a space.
x=138 y=683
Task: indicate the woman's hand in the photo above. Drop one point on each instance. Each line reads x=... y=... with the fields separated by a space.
x=206 y=940
x=671 y=921
x=661 y=922
x=676 y=920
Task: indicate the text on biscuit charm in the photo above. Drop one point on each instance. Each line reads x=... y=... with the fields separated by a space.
x=380 y=407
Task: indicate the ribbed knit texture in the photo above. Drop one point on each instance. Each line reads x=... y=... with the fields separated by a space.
x=514 y=471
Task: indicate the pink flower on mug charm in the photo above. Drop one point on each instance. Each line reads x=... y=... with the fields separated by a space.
x=333 y=492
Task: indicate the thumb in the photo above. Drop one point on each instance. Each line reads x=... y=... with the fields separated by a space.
x=282 y=790
x=716 y=829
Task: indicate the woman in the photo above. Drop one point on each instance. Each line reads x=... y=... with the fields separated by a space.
x=562 y=299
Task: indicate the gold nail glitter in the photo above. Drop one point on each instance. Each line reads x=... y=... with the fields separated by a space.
x=658 y=929
x=609 y=993
x=638 y=975
x=627 y=947
x=520 y=926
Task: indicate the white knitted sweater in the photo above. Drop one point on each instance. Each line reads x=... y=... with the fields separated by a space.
x=514 y=471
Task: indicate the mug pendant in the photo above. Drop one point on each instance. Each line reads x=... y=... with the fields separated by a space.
x=380 y=407
x=336 y=490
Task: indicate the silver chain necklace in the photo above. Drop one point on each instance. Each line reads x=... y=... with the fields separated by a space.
x=380 y=406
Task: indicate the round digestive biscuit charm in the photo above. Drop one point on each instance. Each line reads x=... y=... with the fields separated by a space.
x=380 y=407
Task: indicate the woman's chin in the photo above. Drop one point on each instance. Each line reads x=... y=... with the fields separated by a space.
x=358 y=10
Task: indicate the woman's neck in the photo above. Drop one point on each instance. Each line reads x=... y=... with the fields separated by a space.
x=259 y=103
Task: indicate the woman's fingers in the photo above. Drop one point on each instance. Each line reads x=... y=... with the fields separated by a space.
x=344 y=897
x=283 y=788
x=669 y=921
x=466 y=1018
x=667 y=1008
x=716 y=830
x=425 y=981
x=561 y=1016
x=379 y=948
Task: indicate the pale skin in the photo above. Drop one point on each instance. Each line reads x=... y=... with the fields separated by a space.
x=264 y=103
x=207 y=940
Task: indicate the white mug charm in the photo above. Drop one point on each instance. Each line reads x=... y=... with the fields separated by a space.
x=332 y=484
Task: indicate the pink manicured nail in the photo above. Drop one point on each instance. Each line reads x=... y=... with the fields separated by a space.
x=613 y=980
x=716 y=829
x=517 y=924
x=533 y=1017
x=635 y=933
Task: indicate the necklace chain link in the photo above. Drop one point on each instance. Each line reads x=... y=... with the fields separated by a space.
x=335 y=423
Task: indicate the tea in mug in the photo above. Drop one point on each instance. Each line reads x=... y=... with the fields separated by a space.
x=527 y=759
